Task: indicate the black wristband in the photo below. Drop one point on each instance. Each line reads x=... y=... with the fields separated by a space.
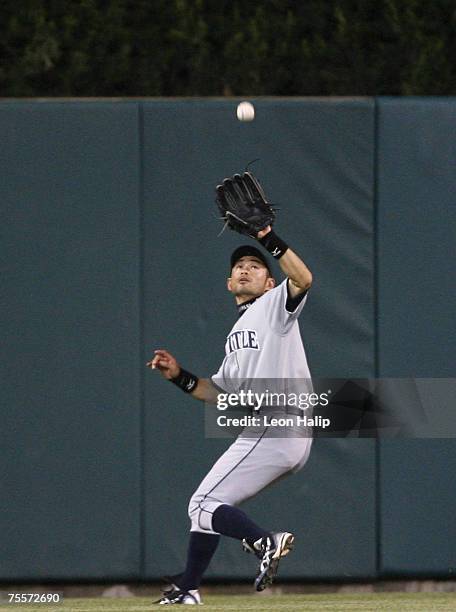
x=275 y=245
x=185 y=381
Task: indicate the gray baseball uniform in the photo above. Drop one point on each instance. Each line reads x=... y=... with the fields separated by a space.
x=265 y=343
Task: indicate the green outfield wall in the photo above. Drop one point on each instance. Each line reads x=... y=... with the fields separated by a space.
x=110 y=249
x=416 y=234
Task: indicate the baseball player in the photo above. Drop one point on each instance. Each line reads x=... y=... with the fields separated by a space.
x=264 y=343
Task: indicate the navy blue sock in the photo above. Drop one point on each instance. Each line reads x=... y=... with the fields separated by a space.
x=232 y=522
x=201 y=549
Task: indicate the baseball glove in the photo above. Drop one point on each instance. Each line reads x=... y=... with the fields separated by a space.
x=243 y=204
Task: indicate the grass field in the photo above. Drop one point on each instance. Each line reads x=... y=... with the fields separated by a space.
x=397 y=602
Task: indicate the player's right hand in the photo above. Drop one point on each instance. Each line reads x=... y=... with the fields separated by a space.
x=165 y=363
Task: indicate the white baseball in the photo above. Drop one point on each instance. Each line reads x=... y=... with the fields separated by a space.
x=245 y=111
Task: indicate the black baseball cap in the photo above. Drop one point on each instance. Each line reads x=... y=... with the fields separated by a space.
x=244 y=251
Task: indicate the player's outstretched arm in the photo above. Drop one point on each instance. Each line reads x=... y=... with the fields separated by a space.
x=199 y=388
x=292 y=266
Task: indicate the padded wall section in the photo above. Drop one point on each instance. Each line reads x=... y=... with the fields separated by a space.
x=417 y=508
x=417 y=297
x=70 y=340
x=416 y=237
x=316 y=163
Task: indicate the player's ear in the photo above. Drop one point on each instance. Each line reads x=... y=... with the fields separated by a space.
x=228 y=283
x=270 y=283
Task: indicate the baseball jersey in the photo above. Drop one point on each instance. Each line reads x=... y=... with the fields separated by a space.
x=265 y=343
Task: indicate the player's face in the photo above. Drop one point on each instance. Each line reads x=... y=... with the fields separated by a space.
x=249 y=278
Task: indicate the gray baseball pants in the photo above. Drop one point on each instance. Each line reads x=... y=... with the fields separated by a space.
x=247 y=467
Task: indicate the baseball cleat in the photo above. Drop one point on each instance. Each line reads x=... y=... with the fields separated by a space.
x=249 y=548
x=271 y=549
x=176 y=596
x=171 y=583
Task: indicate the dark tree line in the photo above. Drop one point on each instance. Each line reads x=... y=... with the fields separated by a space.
x=213 y=48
